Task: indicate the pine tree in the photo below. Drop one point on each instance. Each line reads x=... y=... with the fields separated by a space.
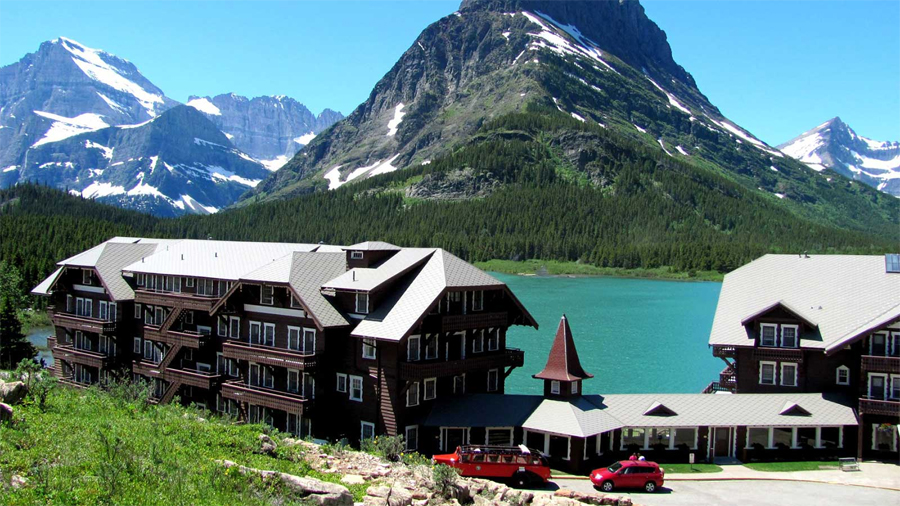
x=13 y=344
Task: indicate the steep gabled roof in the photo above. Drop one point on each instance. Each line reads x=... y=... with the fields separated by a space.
x=563 y=363
x=371 y=278
x=373 y=246
x=659 y=409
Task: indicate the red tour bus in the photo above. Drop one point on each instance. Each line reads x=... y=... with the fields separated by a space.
x=522 y=465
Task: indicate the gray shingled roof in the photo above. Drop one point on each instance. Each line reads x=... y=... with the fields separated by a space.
x=308 y=271
x=372 y=246
x=480 y=410
x=580 y=416
x=110 y=263
x=368 y=279
x=43 y=287
x=459 y=273
x=844 y=295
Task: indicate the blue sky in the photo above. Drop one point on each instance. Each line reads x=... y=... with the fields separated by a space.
x=776 y=68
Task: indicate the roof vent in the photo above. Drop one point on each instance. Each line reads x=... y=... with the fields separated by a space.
x=793 y=409
x=657 y=409
x=182 y=256
x=892 y=262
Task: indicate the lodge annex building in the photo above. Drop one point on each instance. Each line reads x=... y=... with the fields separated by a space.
x=349 y=342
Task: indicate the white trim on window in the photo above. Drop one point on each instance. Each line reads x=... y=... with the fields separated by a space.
x=554 y=387
x=137 y=311
x=412 y=394
x=508 y=430
x=362 y=302
x=788 y=365
x=412 y=443
x=842 y=369
x=893 y=445
x=433 y=383
x=362 y=430
x=356 y=255
x=234 y=327
x=356 y=386
x=341 y=385
x=884 y=377
x=762 y=334
x=796 y=329
x=86 y=277
x=493 y=384
x=267 y=295
x=413 y=348
x=369 y=350
x=762 y=365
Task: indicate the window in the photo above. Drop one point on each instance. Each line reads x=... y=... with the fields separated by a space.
x=104 y=310
x=362 y=302
x=633 y=436
x=294 y=339
x=366 y=430
x=205 y=287
x=685 y=438
x=85 y=277
x=767 y=373
x=189 y=317
x=430 y=388
x=341 y=382
x=843 y=375
x=137 y=345
x=758 y=436
x=189 y=282
x=501 y=436
x=412 y=348
x=877 y=386
x=224 y=286
x=266 y=295
x=788 y=374
x=478 y=343
x=368 y=349
x=831 y=437
x=892 y=262
x=788 y=336
x=261 y=376
x=459 y=384
x=768 y=334
x=295 y=303
x=884 y=437
x=878 y=345
x=477 y=300
x=782 y=437
x=141 y=279
x=255 y=333
x=660 y=436
x=148 y=316
x=81 y=342
x=356 y=255
x=269 y=334
x=293 y=381
x=574 y=387
x=493 y=339
x=356 y=388
x=70 y=304
x=412 y=437
x=431 y=347
x=159 y=314
x=309 y=341
x=492 y=380
x=895 y=387
x=412 y=394
x=554 y=387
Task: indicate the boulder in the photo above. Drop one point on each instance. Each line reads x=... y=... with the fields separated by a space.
x=378 y=491
x=313 y=491
x=12 y=393
x=400 y=497
x=374 y=501
x=6 y=412
x=353 y=479
x=18 y=481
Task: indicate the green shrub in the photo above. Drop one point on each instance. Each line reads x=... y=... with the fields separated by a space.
x=444 y=477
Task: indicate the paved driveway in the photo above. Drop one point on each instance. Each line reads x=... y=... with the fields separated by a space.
x=752 y=493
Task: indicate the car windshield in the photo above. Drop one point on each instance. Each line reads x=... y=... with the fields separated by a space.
x=615 y=467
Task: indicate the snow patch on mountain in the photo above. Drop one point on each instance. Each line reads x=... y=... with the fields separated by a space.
x=555 y=42
x=275 y=163
x=107 y=152
x=726 y=125
x=98 y=189
x=63 y=128
x=304 y=139
x=682 y=151
x=672 y=99
x=204 y=105
x=395 y=121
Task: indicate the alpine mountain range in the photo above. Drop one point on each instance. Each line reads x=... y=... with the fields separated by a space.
x=88 y=121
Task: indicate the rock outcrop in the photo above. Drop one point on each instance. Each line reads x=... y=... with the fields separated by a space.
x=309 y=489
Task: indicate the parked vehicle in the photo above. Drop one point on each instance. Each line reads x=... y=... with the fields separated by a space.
x=629 y=474
x=521 y=465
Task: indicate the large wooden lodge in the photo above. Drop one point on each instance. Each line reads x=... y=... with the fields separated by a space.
x=351 y=342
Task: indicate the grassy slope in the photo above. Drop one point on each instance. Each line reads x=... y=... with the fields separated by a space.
x=90 y=447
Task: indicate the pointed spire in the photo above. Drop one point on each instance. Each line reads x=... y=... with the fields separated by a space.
x=563 y=363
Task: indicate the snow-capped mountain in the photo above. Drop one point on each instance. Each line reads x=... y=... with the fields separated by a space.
x=270 y=129
x=67 y=106
x=834 y=145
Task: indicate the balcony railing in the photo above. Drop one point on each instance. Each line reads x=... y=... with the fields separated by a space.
x=277 y=357
x=259 y=396
x=83 y=323
x=728 y=378
x=870 y=406
x=509 y=357
x=724 y=351
x=74 y=355
x=171 y=337
x=715 y=386
x=194 y=378
x=186 y=300
x=452 y=323
x=881 y=364
x=781 y=354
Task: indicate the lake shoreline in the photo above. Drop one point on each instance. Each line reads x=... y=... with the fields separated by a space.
x=557 y=269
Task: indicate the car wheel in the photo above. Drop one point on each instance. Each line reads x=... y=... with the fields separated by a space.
x=521 y=480
x=607 y=486
x=650 y=486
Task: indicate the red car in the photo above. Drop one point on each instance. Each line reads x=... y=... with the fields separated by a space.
x=629 y=474
x=522 y=465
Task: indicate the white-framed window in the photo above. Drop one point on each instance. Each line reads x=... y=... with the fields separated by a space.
x=255 y=332
x=362 y=302
x=554 y=387
x=234 y=327
x=341 y=385
x=789 y=336
x=842 y=375
x=85 y=277
x=269 y=334
x=356 y=255
x=261 y=376
x=492 y=380
x=137 y=311
x=366 y=430
x=293 y=381
x=412 y=437
x=768 y=334
x=478 y=300
x=759 y=436
x=895 y=387
x=574 y=387
x=189 y=282
x=141 y=279
x=877 y=385
x=70 y=305
x=104 y=310
x=309 y=341
x=266 y=295
x=159 y=315
x=788 y=374
x=294 y=342
x=878 y=344
x=459 y=384
x=412 y=348
x=430 y=388
x=148 y=316
x=412 y=394
x=884 y=437
x=205 y=286
x=431 y=347
x=356 y=388
x=189 y=317
x=499 y=436
x=137 y=345
x=478 y=342
x=493 y=339
x=222 y=326
x=82 y=342
x=767 y=373
x=295 y=303
x=368 y=349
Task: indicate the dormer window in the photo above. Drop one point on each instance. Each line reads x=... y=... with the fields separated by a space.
x=356 y=255
x=362 y=302
x=788 y=336
x=266 y=295
x=768 y=334
x=295 y=303
x=85 y=277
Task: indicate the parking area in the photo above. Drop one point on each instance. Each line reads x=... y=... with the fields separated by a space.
x=751 y=493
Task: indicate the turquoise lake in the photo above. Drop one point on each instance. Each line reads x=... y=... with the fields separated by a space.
x=633 y=335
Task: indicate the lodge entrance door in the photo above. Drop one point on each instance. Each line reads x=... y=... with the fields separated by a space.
x=722 y=442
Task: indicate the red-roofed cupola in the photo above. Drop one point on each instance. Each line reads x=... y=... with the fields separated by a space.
x=563 y=373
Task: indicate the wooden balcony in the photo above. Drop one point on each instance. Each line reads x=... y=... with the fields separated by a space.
x=276 y=357
x=724 y=351
x=879 y=407
x=715 y=386
x=170 y=299
x=73 y=355
x=258 y=396
x=452 y=323
x=174 y=337
x=509 y=357
x=778 y=354
x=83 y=323
x=872 y=363
x=728 y=378
x=199 y=379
